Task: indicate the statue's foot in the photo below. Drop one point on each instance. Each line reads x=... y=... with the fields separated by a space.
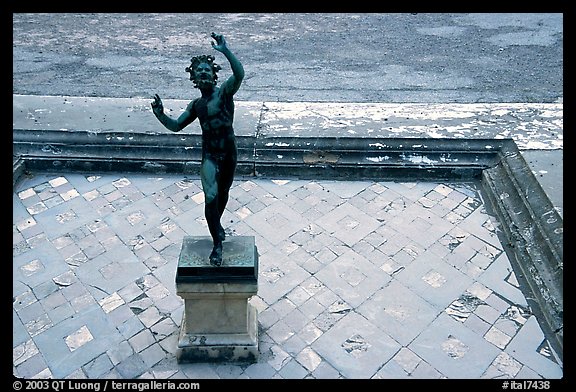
x=216 y=255
x=221 y=234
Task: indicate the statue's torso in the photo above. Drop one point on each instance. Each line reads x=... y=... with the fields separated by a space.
x=216 y=116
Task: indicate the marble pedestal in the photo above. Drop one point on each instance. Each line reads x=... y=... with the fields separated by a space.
x=218 y=322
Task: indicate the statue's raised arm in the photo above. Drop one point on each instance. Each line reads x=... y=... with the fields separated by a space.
x=231 y=85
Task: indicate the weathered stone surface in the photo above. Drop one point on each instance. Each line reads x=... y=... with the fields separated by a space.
x=218 y=322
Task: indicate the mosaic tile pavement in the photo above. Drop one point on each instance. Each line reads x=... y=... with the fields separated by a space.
x=358 y=279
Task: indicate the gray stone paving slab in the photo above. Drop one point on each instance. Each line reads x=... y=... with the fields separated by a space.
x=525 y=348
x=107 y=276
x=348 y=224
x=353 y=278
x=95 y=336
x=98 y=367
x=434 y=280
x=453 y=349
x=38 y=266
x=19 y=334
x=398 y=312
x=281 y=221
x=278 y=277
x=357 y=353
x=500 y=278
x=131 y=367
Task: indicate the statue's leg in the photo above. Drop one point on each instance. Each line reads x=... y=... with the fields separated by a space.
x=209 y=177
x=226 y=174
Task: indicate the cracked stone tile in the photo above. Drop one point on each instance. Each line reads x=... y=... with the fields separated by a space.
x=56 y=182
x=279 y=357
x=40 y=187
x=76 y=259
x=140 y=304
x=135 y=217
x=504 y=366
x=356 y=345
x=391 y=267
x=158 y=292
x=23 y=300
x=454 y=347
x=66 y=217
x=339 y=307
x=45 y=374
x=309 y=359
x=312 y=286
x=164 y=328
x=71 y=194
x=96 y=225
x=65 y=279
x=517 y=314
x=426 y=202
x=497 y=337
x=507 y=326
x=25 y=224
x=63 y=241
x=31 y=268
x=121 y=182
x=310 y=333
x=79 y=338
x=147 y=282
x=273 y=274
x=407 y=359
x=38 y=325
x=37 y=208
x=434 y=279
x=111 y=302
x=150 y=316
x=89 y=196
x=24 y=351
x=167 y=226
x=480 y=291
x=461 y=308
x=298 y=296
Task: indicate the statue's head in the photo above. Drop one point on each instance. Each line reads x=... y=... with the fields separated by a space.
x=203 y=71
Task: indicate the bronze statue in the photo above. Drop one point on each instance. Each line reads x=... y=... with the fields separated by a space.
x=215 y=111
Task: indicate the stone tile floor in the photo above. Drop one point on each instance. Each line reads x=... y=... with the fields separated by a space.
x=358 y=279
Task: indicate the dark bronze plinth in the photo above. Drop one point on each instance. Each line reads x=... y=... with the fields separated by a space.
x=239 y=261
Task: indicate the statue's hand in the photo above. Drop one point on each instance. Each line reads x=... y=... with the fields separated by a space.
x=220 y=44
x=157 y=106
